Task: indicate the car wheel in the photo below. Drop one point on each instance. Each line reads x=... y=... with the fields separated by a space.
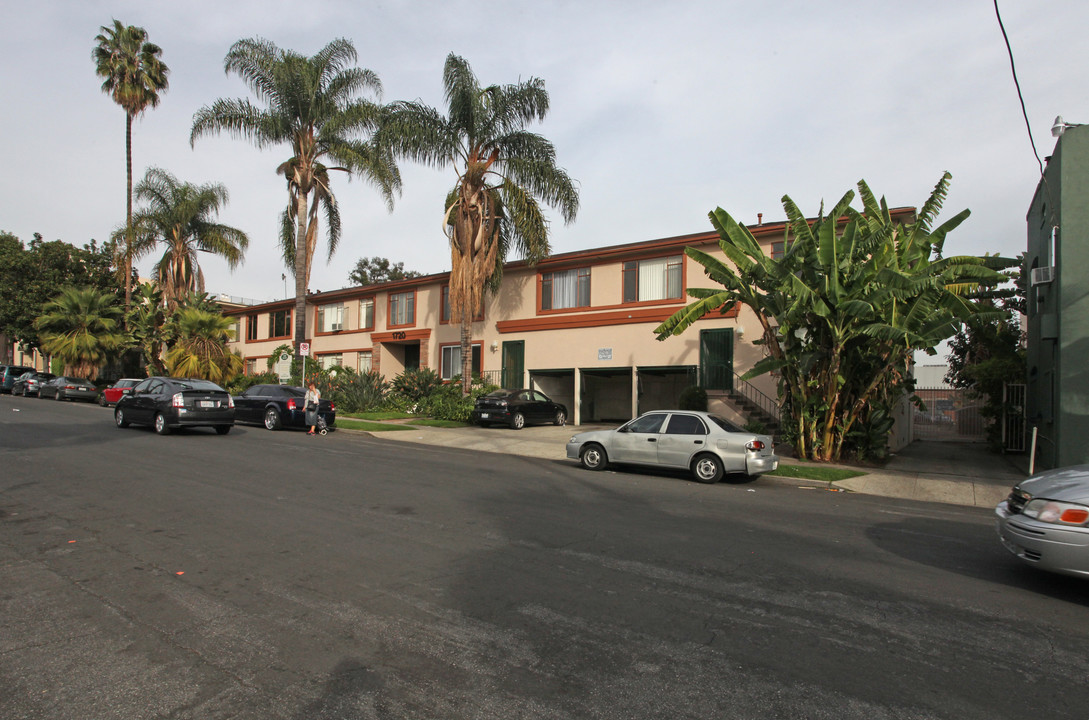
x=272 y=419
x=560 y=419
x=224 y=429
x=593 y=457
x=58 y=396
x=119 y=418
x=707 y=468
x=102 y=401
x=517 y=421
x=160 y=424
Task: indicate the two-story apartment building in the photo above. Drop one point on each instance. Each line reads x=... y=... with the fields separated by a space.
x=578 y=326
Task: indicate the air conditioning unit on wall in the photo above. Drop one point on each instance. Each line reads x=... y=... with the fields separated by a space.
x=1043 y=275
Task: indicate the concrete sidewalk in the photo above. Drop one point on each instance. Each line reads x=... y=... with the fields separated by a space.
x=954 y=473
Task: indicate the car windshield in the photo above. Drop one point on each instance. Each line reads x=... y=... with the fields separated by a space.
x=201 y=385
x=725 y=424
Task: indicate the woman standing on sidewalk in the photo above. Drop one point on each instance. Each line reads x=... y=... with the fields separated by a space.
x=313 y=398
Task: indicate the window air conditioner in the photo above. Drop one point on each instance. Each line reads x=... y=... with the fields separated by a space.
x=1043 y=275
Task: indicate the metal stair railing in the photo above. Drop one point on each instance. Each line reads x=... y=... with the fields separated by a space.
x=766 y=404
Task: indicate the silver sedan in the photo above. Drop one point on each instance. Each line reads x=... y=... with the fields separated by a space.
x=1045 y=520
x=705 y=444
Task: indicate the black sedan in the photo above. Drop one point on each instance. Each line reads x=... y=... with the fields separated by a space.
x=278 y=406
x=29 y=383
x=516 y=408
x=166 y=403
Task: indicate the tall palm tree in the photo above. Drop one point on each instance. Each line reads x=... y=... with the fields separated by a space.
x=134 y=75
x=200 y=348
x=81 y=326
x=180 y=216
x=503 y=173
x=314 y=106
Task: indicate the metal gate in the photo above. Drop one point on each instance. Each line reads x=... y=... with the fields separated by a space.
x=1013 y=417
x=950 y=414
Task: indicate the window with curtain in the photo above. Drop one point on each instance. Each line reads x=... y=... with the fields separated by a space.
x=451 y=361
x=331 y=318
x=402 y=308
x=365 y=361
x=331 y=360
x=655 y=279
x=565 y=289
x=366 y=313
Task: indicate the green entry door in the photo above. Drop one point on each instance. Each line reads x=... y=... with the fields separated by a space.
x=717 y=359
x=514 y=364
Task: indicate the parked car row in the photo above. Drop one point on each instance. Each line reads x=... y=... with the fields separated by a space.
x=169 y=403
x=47 y=385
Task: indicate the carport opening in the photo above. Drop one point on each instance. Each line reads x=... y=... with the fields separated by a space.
x=606 y=395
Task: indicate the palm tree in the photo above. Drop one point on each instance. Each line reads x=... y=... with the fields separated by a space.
x=314 y=106
x=179 y=216
x=200 y=348
x=134 y=76
x=81 y=326
x=503 y=172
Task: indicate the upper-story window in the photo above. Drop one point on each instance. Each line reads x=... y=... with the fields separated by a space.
x=279 y=323
x=233 y=330
x=444 y=307
x=251 y=326
x=331 y=318
x=655 y=279
x=402 y=308
x=565 y=289
x=366 y=313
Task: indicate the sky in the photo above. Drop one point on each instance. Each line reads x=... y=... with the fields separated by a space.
x=660 y=111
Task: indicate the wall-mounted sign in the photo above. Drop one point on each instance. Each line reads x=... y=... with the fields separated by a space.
x=604 y=353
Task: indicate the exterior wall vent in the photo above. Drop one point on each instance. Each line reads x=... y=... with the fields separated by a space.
x=1043 y=275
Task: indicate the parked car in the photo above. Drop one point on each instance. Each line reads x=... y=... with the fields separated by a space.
x=277 y=406
x=29 y=383
x=706 y=444
x=8 y=374
x=64 y=387
x=166 y=403
x=1045 y=521
x=113 y=393
x=517 y=408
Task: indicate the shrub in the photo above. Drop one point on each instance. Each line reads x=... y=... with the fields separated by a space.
x=415 y=385
x=693 y=397
x=239 y=384
x=359 y=392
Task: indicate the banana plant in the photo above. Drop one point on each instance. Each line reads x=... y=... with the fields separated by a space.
x=843 y=311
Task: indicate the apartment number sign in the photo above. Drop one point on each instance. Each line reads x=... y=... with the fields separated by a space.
x=604 y=353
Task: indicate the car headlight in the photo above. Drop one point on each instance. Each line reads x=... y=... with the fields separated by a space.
x=1059 y=513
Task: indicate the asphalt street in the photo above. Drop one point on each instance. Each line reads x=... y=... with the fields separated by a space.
x=276 y=575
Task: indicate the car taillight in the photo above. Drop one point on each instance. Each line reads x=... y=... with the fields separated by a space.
x=332 y=405
x=755 y=445
x=291 y=404
x=177 y=401
x=230 y=401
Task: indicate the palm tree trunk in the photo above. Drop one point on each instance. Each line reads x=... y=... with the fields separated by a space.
x=128 y=214
x=300 y=275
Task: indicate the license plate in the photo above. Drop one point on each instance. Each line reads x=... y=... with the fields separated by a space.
x=84 y=389
x=484 y=415
x=207 y=403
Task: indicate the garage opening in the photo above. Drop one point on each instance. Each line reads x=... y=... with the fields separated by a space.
x=558 y=385
x=660 y=388
x=606 y=395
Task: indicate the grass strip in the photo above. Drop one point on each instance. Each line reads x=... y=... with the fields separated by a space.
x=349 y=424
x=815 y=472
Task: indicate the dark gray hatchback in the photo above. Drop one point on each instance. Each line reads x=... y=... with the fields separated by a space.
x=166 y=403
